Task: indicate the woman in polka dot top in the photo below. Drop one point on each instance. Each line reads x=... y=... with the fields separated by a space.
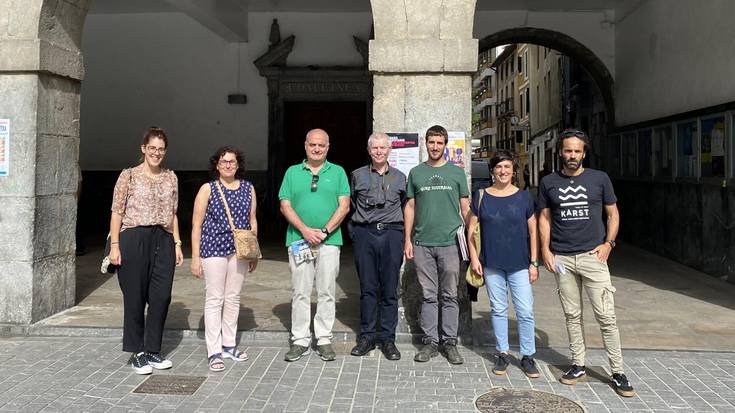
x=213 y=251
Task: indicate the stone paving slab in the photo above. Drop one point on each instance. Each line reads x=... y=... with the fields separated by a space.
x=92 y=375
x=660 y=305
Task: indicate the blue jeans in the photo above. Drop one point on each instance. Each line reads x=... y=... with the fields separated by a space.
x=497 y=283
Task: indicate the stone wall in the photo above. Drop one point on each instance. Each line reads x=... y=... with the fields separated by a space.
x=40 y=89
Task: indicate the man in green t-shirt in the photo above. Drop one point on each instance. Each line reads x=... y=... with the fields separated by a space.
x=437 y=207
x=315 y=197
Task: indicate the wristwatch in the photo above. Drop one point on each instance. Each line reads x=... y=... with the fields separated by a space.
x=325 y=230
x=611 y=242
x=535 y=263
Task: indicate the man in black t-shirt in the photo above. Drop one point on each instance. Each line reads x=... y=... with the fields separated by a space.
x=575 y=245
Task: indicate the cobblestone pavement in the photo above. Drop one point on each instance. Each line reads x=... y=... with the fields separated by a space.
x=92 y=374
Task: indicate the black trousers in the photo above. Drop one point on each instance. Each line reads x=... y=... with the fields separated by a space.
x=146 y=276
x=378 y=258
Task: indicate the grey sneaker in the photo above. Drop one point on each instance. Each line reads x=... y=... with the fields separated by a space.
x=426 y=353
x=528 y=365
x=502 y=360
x=295 y=352
x=452 y=354
x=326 y=352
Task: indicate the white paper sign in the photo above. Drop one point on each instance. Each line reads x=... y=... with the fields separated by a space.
x=404 y=153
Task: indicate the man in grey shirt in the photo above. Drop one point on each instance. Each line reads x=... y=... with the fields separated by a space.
x=378 y=195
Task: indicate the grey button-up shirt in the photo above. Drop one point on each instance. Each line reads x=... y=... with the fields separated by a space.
x=377 y=198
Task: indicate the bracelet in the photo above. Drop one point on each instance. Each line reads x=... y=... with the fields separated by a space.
x=114 y=242
x=178 y=243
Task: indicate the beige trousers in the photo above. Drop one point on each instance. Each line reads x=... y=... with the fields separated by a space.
x=323 y=272
x=586 y=271
x=223 y=277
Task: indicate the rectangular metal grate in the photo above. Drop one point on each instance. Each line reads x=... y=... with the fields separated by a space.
x=168 y=384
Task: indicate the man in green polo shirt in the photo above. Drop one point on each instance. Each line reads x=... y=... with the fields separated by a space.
x=315 y=198
x=437 y=206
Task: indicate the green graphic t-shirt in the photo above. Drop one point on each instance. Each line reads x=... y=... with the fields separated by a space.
x=436 y=191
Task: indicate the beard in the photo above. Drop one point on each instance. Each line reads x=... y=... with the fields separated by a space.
x=572 y=165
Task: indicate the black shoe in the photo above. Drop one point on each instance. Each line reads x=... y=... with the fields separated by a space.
x=390 y=351
x=426 y=353
x=528 y=365
x=501 y=363
x=158 y=362
x=140 y=365
x=364 y=345
x=622 y=386
x=573 y=375
x=452 y=354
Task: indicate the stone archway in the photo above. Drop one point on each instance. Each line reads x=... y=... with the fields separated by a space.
x=40 y=85
x=566 y=45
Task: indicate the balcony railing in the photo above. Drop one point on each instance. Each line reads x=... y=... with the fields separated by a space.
x=506 y=108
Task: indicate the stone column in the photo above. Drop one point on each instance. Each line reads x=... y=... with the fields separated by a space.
x=40 y=77
x=423 y=58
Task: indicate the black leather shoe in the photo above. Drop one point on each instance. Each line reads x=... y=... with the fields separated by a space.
x=363 y=347
x=390 y=351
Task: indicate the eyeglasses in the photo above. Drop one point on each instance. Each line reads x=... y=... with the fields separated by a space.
x=232 y=162
x=569 y=133
x=152 y=150
x=314 y=181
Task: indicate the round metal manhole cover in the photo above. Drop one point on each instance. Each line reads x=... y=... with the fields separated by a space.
x=500 y=400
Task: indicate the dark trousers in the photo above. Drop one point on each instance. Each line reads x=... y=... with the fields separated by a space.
x=146 y=276
x=378 y=258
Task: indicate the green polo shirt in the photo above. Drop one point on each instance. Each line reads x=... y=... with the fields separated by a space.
x=314 y=208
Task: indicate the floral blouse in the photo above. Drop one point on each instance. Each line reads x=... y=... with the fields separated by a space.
x=142 y=200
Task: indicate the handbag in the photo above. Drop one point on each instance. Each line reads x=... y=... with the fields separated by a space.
x=106 y=267
x=246 y=242
x=474 y=279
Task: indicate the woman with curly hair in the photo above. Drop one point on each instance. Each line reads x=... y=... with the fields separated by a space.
x=213 y=251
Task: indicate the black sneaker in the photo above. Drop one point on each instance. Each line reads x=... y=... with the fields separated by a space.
x=326 y=352
x=426 y=353
x=364 y=346
x=528 y=365
x=622 y=386
x=295 y=352
x=140 y=365
x=390 y=351
x=573 y=374
x=452 y=354
x=501 y=363
x=158 y=362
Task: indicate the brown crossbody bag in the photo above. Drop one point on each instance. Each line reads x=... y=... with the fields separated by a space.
x=246 y=242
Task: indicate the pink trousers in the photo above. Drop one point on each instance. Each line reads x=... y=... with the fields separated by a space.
x=223 y=277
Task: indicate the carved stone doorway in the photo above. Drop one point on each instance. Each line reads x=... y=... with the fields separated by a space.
x=292 y=87
x=344 y=121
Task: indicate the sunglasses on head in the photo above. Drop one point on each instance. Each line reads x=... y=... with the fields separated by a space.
x=570 y=133
x=314 y=181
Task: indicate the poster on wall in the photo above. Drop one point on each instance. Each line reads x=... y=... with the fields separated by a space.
x=455 y=150
x=4 y=147
x=404 y=153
